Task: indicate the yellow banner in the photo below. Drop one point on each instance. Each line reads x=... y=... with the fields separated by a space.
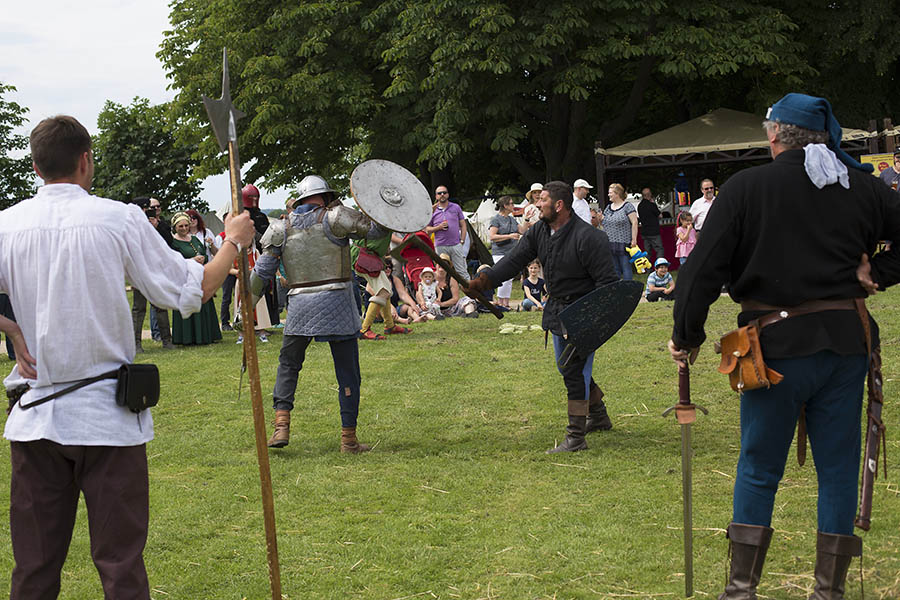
x=879 y=161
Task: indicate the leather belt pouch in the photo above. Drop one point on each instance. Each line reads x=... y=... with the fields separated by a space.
x=742 y=360
x=138 y=386
x=368 y=263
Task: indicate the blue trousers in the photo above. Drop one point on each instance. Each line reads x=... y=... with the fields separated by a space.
x=576 y=374
x=528 y=305
x=346 y=368
x=831 y=387
x=154 y=323
x=622 y=264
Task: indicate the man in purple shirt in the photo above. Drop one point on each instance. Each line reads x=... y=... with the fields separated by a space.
x=449 y=228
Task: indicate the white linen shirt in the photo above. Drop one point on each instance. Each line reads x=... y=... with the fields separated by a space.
x=64 y=259
x=581 y=208
x=699 y=209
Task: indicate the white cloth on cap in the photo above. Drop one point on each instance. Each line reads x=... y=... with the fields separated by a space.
x=823 y=167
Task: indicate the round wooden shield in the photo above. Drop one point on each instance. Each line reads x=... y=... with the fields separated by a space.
x=391 y=196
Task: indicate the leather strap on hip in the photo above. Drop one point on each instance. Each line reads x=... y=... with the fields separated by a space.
x=777 y=313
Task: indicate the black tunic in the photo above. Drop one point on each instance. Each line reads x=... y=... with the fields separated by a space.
x=576 y=260
x=778 y=239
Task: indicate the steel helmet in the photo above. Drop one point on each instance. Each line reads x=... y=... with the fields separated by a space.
x=312 y=185
x=250 y=196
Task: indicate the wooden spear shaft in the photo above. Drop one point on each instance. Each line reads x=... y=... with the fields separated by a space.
x=259 y=424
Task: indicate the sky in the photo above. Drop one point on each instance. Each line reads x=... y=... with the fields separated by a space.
x=68 y=57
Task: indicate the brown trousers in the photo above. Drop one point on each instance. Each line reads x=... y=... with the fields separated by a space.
x=47 y=479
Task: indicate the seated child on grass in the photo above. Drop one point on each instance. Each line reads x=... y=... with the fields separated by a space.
x=426 y=295
x=533 y=286
x=660 y=284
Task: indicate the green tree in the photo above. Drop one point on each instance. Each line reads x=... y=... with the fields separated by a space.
x=852 y=49
x=136 y=153
x=16 y=174
x=478 y=94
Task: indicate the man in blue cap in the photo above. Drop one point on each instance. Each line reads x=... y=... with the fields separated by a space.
x=821 y=204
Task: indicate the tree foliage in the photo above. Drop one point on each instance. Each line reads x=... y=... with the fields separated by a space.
x=16 y=174
x=480 y=93
x=136 y=153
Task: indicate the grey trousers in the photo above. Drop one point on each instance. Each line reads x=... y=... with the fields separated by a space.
x=457 y=257
x=655 y=242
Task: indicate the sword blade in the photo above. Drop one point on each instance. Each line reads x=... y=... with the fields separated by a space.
x=687 y=501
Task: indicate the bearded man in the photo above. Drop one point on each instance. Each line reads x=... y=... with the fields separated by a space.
x=576 y=259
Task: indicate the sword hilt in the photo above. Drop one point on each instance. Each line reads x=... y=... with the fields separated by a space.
x=684 y=384
x=685 y=411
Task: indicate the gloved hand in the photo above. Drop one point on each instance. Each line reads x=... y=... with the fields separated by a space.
x=480 y=283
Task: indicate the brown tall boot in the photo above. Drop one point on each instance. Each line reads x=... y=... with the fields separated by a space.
x=749 y=544
x=576 y=429
x=833 y=555
x=597 y=419
x=349 y=443
x=282 y=434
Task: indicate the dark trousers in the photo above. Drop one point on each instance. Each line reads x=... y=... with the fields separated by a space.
x=654 y=296
x=831 y=387
x=46 y=481
x=139 y=309
x=346 y=368
x=227 y=293
x=7 y=311
x=272 y=303
x=654 y=243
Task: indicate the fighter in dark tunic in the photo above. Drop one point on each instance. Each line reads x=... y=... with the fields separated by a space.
x=576 y=260
x=786 y=235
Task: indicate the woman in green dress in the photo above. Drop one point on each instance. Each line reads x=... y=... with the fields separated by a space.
x=201 y=327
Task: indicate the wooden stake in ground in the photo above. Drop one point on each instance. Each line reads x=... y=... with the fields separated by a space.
x=223 y=116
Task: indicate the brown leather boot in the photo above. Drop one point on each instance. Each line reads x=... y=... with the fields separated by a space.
x=349 y=443
x=749 y=544
x=282 y=434
x=576 y=429
x=597 y=419
x=833 y=555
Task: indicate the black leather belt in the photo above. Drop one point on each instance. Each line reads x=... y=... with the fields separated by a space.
x=777 y=313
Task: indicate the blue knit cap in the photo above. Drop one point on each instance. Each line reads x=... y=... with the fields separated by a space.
x=814 y=114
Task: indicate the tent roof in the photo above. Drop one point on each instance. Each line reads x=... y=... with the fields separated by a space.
x=720 y=130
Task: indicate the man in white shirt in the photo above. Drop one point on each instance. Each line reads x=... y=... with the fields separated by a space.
x=580 y=191
x=702 y=205
x=63 y=262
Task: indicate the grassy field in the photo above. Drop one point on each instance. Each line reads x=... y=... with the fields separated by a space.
x=458 y=499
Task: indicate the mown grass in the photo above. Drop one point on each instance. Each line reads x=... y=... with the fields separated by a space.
x=458 y=499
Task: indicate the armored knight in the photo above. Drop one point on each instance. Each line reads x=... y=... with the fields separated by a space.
x=314 y=247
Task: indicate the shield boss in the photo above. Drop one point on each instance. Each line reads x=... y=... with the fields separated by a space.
x=391 y=196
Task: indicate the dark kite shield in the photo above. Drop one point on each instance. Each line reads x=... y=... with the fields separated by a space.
x=595 y=317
